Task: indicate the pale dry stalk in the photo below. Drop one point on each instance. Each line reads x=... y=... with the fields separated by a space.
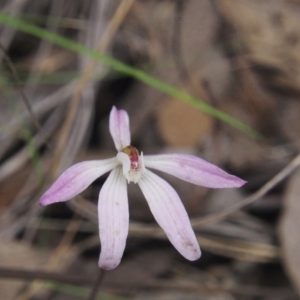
x=88 y=73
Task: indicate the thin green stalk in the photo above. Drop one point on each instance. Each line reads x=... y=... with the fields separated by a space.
x=125 y=69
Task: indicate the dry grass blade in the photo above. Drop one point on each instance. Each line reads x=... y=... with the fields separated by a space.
x=40 y=108
x=241 y=250
x=103 y=45
x=229 y=247
x=13 y=164
x=289 y=230
x=61 y=257
x=210 y=288
x=24 y=274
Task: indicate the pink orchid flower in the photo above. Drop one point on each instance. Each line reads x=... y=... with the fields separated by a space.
x=132 y=166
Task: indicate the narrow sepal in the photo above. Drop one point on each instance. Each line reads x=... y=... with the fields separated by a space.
x=119 y=128
x=113 y=219
x=76 y=179
x=193 y=169
x=170 y=214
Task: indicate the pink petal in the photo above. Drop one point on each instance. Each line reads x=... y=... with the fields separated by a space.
x=193 y=169
x=119 y=128
x=113 y=219
x=76 y=179
x=170 y=214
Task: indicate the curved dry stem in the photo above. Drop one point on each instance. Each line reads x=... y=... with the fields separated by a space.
x=216 y=217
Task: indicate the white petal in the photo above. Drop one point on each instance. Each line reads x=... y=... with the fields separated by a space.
x=170 y=214
x=76 y=179
x=119 y=128
x=193 y=169
x=113 y=219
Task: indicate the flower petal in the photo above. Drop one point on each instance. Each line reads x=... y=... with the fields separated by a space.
x=76 y=179
x=119 y=128
x=170 y=214
x=193 y=169
x=113 y=219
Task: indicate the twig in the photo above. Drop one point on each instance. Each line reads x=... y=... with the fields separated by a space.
x=213 y=218
x=43 y=275
x=23 y=95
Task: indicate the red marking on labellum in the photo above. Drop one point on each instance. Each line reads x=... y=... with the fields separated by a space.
x=133 y=154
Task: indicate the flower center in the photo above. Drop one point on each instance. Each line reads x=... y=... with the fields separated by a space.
x=133 y=154
x=133 y=163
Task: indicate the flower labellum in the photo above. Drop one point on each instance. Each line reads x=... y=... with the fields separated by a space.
x=131 y=166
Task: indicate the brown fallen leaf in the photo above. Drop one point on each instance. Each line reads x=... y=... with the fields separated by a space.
x=182 y=125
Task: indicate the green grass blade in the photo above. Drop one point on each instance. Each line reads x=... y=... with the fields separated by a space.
x=125 y=69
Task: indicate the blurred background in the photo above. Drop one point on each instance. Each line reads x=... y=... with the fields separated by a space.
x=241 y=57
